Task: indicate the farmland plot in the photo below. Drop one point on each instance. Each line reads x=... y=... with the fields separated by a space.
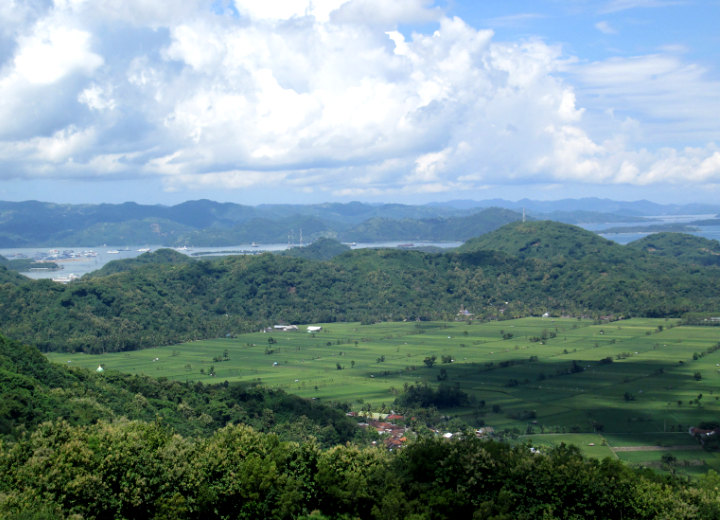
x=536 y=376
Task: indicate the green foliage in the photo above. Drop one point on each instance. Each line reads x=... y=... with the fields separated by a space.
x=430 y=361
x=424 y=396
x=322 y=249
x=159 y=257
x=686 y=248
x=130 y=469
x=32 y=390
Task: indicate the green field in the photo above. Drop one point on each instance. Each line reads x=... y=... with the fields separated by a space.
x=630 y=382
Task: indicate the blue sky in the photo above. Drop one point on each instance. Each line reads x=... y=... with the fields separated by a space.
x=336 y=100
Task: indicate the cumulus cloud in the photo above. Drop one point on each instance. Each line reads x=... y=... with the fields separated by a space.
x=331 y=96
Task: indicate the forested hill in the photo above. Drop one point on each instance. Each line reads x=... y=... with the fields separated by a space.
x=686 y=248
x=33 y=390
x=547 y=240
x=521 y=269
x=165 y=257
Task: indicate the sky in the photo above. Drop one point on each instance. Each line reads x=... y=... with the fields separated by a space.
x=309 y=101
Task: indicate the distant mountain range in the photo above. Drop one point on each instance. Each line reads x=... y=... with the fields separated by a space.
x=208 y=223
x=637 y=208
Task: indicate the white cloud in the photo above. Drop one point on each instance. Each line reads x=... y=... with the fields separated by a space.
x=605 y=28
x=677 y=101
x=514 y=20
x=97 y=97
x=286 y=9
x=622 y=5
x=42 y=154
x=386 y=13
x=50 y=53
x=234 y=179
x=329 y=96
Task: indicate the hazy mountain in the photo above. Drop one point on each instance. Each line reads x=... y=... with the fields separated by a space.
x=589 y=204
x=209 y=223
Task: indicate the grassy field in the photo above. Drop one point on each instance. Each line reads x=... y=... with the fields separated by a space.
x=625 y=383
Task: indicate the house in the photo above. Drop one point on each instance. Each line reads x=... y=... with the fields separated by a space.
x=314 y=328
x=283 y=328
x=705 y=436
x=394 y=435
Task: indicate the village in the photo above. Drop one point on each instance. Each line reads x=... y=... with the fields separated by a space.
x=395 y=433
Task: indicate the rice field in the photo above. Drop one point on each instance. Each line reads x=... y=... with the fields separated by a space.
x=634 y=382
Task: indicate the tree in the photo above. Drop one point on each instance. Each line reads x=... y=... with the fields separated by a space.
x=430 y=361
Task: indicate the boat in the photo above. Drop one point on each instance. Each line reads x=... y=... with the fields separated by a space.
x=143 y=250
x=113 y=252
x=254 y=245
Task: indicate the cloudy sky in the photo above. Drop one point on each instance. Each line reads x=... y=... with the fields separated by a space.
x=376 y=100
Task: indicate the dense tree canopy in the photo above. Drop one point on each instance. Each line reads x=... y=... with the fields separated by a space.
x=137 y=470
x=32 y=391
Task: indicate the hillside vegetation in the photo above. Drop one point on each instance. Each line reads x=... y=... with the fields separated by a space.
x=685 y=248
x=33 y=390
x=519 y=270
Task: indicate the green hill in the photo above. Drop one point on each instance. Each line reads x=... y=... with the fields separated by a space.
x=159 y=257
x=9 y=268
x=33 y=390
x=322 y=249
x=682 y=247
x=545 y=240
